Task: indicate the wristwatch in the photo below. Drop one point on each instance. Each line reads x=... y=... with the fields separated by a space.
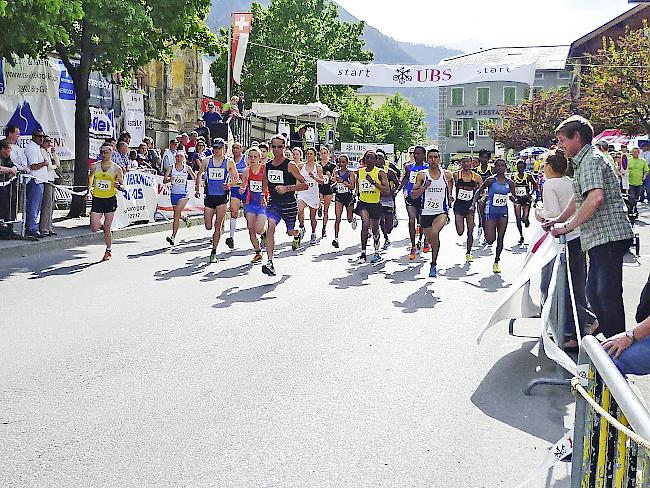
x=630 y=335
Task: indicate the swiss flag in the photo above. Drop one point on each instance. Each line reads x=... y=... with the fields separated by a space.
x=241 y=28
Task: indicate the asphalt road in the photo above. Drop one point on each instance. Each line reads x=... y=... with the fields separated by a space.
x=160 y=369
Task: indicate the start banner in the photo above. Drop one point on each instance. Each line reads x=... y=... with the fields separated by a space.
x=424 y=76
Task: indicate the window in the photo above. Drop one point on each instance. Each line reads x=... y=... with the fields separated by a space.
x=457 y=128
x=457 y=97
x=483 y=96
x=539 y=75
x=510 y=95
x=563 y=75
x=537 y=90
x=481 y=128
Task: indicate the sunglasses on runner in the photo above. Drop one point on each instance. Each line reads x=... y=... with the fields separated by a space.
x=277 y=147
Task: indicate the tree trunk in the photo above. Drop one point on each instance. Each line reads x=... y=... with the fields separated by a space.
x=81 y=143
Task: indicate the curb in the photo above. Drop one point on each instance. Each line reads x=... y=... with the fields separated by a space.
x=25 y=249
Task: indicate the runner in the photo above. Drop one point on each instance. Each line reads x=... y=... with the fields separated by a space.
x=284 y=180
x=345 y=181
x=264 y=149
x=466 y=182
x=105 y=180
x=178 y=174
x=484 y=170
x=387 y=202
x=413 y=205
x=256 y=196
x=435 y=188
x=312 y=172
x=236 y=196
x=372 y=182
x=296 y=155
x=524 y=186
x=217 y=168
x=325 y=188
x=496 y=208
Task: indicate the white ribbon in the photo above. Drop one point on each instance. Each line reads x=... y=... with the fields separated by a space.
x=60 y=187
x=557 y=453
x=7 y=183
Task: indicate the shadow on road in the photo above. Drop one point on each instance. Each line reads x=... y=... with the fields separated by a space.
x=248 y=295
x=357 y=276
x=194 y=266
x=457 y=272
x=500 y=395
x=405 y=275
x=63 y=270
x=228 y=273
x=331 y=256
x=418 y=300
x=490 y=284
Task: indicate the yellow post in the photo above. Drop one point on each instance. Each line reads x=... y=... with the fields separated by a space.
x=621 y=454
x=602 y=441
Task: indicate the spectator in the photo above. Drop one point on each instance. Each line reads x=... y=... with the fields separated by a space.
x=645 y=154
x=233 y=116
x=202 y=131
x=47 y=205
x=169 y=158
x=12 y=134
x=8 y=170
x=124 y=137
x=605 y=232
x=190 y=147
x=121 y=155
x=623 y=169
x=298 y=139
x=638 y=172
x=133 y=161
x=112 y=142
x=153 y=157
x=212 y=117
x=38 y=170
x=201 y=152
x=604 y=148
x=183 y=139
x=240 y=103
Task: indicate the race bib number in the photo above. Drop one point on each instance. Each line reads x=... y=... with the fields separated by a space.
x=413 y=175
x=178 y=180
x=103 y=185
x=256 y=186
x=326 y=179
x=341 y=188
x=216 y=173
x=465 y=195
x=276 y=177
x=434 y=205
x=366 y=186
x=311 y=183
x=520 y=191
x=499 y=200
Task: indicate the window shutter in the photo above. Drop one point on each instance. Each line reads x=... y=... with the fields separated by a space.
x=467 y=125
x=448 y=128
x=510 y=95
x=526 y=93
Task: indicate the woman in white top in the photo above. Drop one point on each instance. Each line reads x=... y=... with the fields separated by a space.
x=178 y=174
x=49 y=194
x=313 y=173
x=557 y=193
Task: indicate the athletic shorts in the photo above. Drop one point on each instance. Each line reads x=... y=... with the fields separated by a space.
x=214 y=201
x=495 y=213
x=347 y=199
x=104 y=205
x=426 y=221
x=325 y=189
x=236 y=193
x=175 y=197
x=462 y=208
x=373 y=209
x=387 y=211
x=283 y=211
x=254 y=209
x=414 y=202
x=523 y=200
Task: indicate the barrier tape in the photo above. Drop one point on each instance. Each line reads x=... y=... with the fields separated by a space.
x=7 y=183
x=60 y=187
x=561 y=449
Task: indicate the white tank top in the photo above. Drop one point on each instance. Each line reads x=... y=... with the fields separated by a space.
x=435 y=197
x=313 y=186
x=179 y=180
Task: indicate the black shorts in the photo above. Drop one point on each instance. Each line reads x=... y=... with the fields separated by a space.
x=414 y=202
x=426 y=221
x=373 y=209
x=213 y=201
x=387 y=211
x=104 y=205
x=325 y=189
x=462 y=207
x=523 y=200
x=347 y=199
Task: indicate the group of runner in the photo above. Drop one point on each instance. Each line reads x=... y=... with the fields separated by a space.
x=280 y=189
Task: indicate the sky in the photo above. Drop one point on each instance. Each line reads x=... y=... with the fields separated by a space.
x=475 y=24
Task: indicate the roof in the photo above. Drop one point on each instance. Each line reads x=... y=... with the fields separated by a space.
x=317 y=111
x=545 y=57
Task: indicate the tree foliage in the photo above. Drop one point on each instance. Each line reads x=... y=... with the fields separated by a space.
x=104 y=35
x=533 y=122
x=615 y=90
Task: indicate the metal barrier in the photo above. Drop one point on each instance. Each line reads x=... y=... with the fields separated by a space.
x=605 y=452
x=20 y=202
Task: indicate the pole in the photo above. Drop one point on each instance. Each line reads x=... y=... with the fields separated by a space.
x=229 y=81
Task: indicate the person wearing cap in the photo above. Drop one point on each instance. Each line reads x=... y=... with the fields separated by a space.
x=603 y=146
x=221 y=174
x=38 y=170
x=169 y=157
x=212 y=116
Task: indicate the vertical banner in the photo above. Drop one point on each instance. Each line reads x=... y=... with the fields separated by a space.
x=138 y=201
x=102 y=126
x=133 y=116
x=241 y=28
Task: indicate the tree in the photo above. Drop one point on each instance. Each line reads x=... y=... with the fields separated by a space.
x=615 y=90
x=533 y=122
x=309 y=28
x=105 y=35
x=403 y=122
x=358 y=120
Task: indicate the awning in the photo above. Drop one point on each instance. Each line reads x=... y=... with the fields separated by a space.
x=312 y=112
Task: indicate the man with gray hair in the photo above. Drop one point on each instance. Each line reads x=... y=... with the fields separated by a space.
x=121 y=155
x=597 y=207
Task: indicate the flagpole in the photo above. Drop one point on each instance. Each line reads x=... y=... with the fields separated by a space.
x=227 y=100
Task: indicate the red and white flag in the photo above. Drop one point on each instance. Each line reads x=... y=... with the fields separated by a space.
x=241 y=28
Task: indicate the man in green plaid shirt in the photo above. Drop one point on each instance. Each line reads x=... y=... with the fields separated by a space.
x=597 y=207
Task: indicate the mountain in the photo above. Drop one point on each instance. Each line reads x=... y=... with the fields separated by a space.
x=386 y=50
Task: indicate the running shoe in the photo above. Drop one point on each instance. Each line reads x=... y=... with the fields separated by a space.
x=335 y=243
x=495 y=268
x=312 y=239
x=257 y=258
x=521 y=241
x=395 y=221
x=413 y=254
x=433 y=272
x=427 y=247
x=107 y=255
x=468 y=257
x=479 y=233
x=302 y=232
x=362 y=259
x=230 y=242
x=320 y=211
x=186 y=219
x=213 y=257
x=418 y=230
x=527 y=223
x=375 y=258
x=386 y=245
x=263 y=241
x=296 y=243
x=418 y=245
x=354 y=223
x=170 y=239
x=324 y=232
x=268 y=269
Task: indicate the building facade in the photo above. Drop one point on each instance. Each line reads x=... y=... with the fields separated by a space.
x=471 y=106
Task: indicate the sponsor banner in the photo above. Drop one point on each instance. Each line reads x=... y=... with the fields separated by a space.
x=194 y=206
x=102 y=93
x=425 y=76
x=360 y=148
x=133 y=116
x=102 y=126
x=38 y=94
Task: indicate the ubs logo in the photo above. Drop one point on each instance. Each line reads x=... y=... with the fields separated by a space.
x=402 y=75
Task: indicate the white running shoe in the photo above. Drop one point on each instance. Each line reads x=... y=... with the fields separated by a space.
x=313 y=239
x=302 y=233
x=354 y=223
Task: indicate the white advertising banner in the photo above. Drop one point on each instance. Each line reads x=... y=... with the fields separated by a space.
x=102 y=126
x=360 y=148
x=424 y=76
x=133 y=116
x=38 y=94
